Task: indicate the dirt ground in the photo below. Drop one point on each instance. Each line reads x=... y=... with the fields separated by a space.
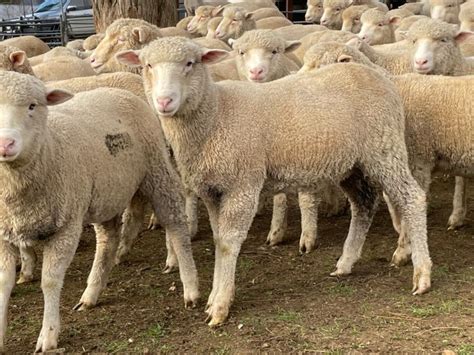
x=284 y=302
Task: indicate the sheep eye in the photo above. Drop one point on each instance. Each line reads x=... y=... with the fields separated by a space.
x=444 y=40
x=274 y=51
x=189 y=64
x=121 y=39
x=356 y=19
x=338 y=9
x=149 y=66
x=31 y=107
x=241 y=52
x=380 y=24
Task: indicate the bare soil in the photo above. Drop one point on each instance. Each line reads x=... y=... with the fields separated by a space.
x=284 y=302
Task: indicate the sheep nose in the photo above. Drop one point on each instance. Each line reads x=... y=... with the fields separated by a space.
x=163 y=102
x=324 y=22
x=92 y=60
x=421 y=62
x=256 y=71
x=6 y=144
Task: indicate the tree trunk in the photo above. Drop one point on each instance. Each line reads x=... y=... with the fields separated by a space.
x=158 y=12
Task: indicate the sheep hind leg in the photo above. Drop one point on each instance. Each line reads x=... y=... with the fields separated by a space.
x=279 y=220
x=308 y=203
x=458 y=215
x=7 y=282
x=363 y=198
x=28 y=262
x=132 y=224
x=107 y=235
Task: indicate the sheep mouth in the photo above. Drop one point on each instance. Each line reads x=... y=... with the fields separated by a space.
x=96 y=65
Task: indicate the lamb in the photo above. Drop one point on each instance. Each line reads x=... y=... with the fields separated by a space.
x=432 y=130
x=225 y=151
x=192 y=5
x=296 y=32
x=183 y=23
x=76 y=45
x=212 y=43
x=174 y=31
x=351 y=18
x=314 y=11
x=271 y=23
x=400 y=13
x=377 y=27
x=323 y=36
x=57 y=52
x=39 y=157
x=122 y=34
x=235 y=21
x=404 y=25
x=14 y=59
x=62 y=68
x=332 y=15
x=417 y=8
x=212 y=27
x=445 y=10
x=266 y=12
x=466 y=17
x=31 y=45
x=198 y=25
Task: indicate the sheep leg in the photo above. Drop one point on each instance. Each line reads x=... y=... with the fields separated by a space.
x=28 y=263
x=8 y=255
x=235 y=218
x=401 y=256
x=279 y=220
x=394 y=214
x=458 y=215
x=132 y=222
x=57 y=256
x=363 y=198
x=171 y=264
x=308 y=203
x=213 y=211
x=336 y=207
x=107 y=235
x=192 y=213
x=153 y=223
x=410 y=199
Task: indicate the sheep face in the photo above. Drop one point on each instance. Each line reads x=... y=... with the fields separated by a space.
x=199 y=22
x=11 y=60
x=260 y=54
x=23 y=113
x=232 y=23
x=332 y=15
x=173 y=72
x=351 y=18
x=129 y=35
x=212 y=27
x=376 y=27
x=314 y=11
x=466 y=17
x=445 y=10
x=323 y=54
x=435 y=46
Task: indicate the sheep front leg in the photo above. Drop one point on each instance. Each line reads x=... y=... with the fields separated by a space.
x=106 y=248
x=7 y=282
x=279 y=220
x=28 y=263
x=57 y=256
x=363 y=198
x=235 y=217
x=192 y=213
x=458 y=215
x=308 y=203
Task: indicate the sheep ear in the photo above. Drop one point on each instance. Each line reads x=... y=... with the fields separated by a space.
x=395 y=20
x=403 y=34
x=217 y=10
x=291 y=46
x=350 y=2
x=248 y=15
x=462 y=36
x=130 y=58
x=17 y=58
x=211 y=56
x=344 y=58
x=57 y=96
x=231 y=42
x=142 y=34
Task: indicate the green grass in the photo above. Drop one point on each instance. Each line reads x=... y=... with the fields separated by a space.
x=156 y=331
x=445 y=307
x=465 y=349
x=288 y=316
x=341 y=289
x=117 y=346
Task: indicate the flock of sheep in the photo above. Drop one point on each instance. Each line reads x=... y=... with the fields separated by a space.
x=86 y=133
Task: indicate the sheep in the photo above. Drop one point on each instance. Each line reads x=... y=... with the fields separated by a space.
x=445 y=10
x=174 y=31
x=226 y=150
x=401 y=13
x=212 y=27
x=266 y=12
x=332 y=15
x=417 y=8
x=296 y=32
x=314 y=11
x=14 y=59
x=396 y=62
x=122 y=34
x=466 y=17
x=76 y=45
x=57 y=52
x=31 y=45
x=198 y=25
x=271 y=23
x=184 y=22
x=211 y=43
x=404 y=25
x=192 y=5
x=351 y=18
x=235 y=21
x=377 y=27
x=432 y=130
x=436 y=48
x=224 y=70
x=322 y=36
x=91 y=42
x=62 y=68
x=49 y=191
